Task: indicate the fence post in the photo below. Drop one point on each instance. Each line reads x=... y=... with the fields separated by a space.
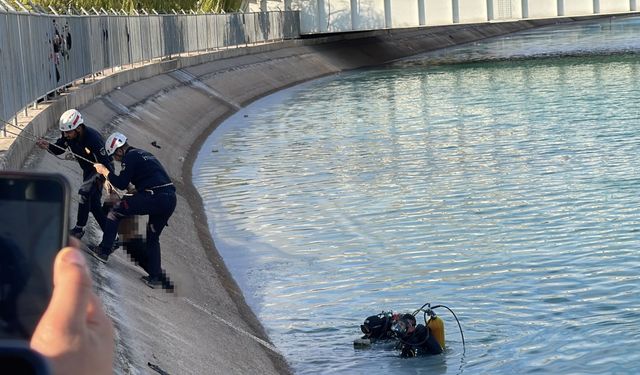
x=322 y=17
x=490 y=14
x=560 y=8
x=455 y=8
x=388 y=20
x=355 y=25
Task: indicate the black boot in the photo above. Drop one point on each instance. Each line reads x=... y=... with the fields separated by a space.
x=99 y=253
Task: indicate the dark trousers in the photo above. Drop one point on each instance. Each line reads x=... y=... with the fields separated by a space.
x=90 y=196
x=159 y=206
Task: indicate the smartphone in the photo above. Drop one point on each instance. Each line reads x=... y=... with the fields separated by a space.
x=34 y=211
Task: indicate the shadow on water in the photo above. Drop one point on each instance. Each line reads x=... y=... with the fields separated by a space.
x=605 y=39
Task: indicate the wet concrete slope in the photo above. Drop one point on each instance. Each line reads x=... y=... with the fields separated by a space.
x=205 y=327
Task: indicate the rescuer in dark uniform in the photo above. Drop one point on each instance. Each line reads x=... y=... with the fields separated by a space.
x=89 y=144
x=155 y=196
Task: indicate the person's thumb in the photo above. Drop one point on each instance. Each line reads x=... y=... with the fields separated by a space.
x=71 y=291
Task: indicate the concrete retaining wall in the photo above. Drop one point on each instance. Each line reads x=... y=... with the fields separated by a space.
x=206 y=327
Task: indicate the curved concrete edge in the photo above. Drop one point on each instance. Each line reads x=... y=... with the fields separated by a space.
x=206 y=327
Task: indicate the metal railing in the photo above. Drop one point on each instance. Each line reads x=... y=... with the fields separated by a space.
x=330 y=16
x=42 y=53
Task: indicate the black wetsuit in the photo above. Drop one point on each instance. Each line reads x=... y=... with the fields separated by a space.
x=420 y=341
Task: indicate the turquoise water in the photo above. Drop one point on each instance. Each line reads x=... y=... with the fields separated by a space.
x=507 y=190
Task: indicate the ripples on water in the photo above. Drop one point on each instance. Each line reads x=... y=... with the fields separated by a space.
x=508 y=191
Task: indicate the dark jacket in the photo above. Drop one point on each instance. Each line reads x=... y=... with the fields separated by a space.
x=90 y=146
x=420 y=341
x=140 y=168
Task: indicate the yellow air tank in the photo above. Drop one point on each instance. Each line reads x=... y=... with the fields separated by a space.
x=436 y=325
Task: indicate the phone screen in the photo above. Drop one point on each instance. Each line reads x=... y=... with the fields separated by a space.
x=33 y=228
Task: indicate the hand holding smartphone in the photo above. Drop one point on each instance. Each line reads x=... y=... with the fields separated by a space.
x=34 y=323
x=33 y=228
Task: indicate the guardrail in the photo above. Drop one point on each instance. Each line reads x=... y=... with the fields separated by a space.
x=41 y=54
x=329 y=16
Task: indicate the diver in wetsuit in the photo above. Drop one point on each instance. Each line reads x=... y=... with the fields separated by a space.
x=415 y=339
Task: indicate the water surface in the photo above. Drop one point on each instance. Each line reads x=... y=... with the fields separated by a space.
x=505 y=189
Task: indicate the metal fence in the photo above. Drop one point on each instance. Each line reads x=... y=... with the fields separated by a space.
x=41 y=53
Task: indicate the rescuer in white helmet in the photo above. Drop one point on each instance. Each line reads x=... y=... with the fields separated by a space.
x=87 y=143
x=155 y=196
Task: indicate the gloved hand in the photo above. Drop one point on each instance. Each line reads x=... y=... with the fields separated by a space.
x=43 y=144
x=101 y=169
x=408 y=352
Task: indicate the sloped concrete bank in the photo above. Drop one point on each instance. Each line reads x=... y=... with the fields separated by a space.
x=206 y=326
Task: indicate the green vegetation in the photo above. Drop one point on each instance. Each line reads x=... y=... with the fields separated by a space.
x=161 y=6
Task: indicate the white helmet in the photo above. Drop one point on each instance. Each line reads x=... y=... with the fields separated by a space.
x=114 y=141
x=70 y=120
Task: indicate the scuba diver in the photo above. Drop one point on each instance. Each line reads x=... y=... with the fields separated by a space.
x=410 y=338
x=414 y=339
